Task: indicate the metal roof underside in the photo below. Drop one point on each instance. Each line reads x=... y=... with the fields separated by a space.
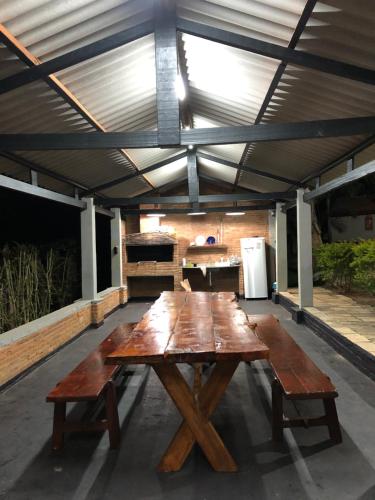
x=226 y=87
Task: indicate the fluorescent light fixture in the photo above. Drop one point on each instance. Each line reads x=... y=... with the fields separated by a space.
x=197 y=213
x=155 y=215
x=180 y=88
x=235 y=213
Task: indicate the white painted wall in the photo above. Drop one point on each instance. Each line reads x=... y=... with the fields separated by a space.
x=352 y=228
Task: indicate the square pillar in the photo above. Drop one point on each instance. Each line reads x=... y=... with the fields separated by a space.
x=304 y=244
x=281 y=249
x=116 y=248
x=88 y=251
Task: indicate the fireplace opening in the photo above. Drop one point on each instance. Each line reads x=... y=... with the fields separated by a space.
x=158 y=253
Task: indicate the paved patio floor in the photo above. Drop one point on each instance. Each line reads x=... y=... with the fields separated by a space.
x=354 y=320
x=305 y=466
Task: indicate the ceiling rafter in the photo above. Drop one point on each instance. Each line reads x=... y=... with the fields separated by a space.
x=247 y=168
x=74 y=57
x=15 y=46
x=285 y=54
x=317 y=129
x=305 y=16
x=144 y=171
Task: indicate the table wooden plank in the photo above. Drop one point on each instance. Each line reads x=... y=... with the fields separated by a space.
x=193 y=337
x=234 y=339
x=192 y=327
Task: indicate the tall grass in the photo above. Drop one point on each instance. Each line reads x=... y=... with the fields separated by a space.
x=34 y=282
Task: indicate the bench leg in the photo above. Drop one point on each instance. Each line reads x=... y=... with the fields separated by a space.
x=112 y=416
x=277 y=411
x=58 y=425
x=332 y=420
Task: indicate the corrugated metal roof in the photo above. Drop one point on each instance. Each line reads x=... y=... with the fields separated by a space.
x=342 y=30
x=118 y=87
x=227 y=86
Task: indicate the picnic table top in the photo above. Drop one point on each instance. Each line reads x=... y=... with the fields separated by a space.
x=190 y=327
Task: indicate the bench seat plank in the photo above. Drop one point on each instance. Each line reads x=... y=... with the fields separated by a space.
x=298 y=375
x=87 y=381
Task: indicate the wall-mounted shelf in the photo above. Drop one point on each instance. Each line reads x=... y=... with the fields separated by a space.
x=215 y=246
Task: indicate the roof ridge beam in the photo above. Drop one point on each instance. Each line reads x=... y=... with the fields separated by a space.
x=74 y=57
x=274 y=51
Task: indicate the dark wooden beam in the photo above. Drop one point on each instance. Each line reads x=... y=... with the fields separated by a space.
x=15 y=46
x=193 y=181
x=305 y=16
x=341 y=159
x=247 y=168
x=217 y=135
x=33 y=166
x=246 y=208
x=211 y=198
x=166 y=73
x=74 y=57
x=342 y=181
x=285 y=54
x=142 y=172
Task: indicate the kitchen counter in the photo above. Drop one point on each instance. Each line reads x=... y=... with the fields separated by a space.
x=217 y=278
x=210 y=266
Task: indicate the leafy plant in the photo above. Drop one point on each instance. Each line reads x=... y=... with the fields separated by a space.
x=363 y=265
x=333 y=263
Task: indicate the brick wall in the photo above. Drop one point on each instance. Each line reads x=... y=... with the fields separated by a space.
x=232 y=229
x=24 y=346
x=187 y=228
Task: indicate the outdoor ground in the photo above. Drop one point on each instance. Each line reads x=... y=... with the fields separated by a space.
x=306 y=466
x=352 y=316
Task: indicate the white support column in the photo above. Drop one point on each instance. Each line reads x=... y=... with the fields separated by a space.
x=281 y=249
x=88 y=251
x=304 y=243
x=116 y=248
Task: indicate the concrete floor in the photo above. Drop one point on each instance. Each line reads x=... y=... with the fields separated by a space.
x=306 y=466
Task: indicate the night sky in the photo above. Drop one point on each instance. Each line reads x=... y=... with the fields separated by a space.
x=28 y=219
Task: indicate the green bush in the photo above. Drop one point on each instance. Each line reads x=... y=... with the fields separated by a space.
x=345 y=264
x=363 y=265
x=333 y=261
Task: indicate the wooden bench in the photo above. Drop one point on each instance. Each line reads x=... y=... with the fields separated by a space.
x=91 y=381
x=296 y=377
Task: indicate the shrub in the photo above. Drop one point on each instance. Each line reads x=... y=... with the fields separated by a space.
x=344 y=264
x=363 y=265
x=333 y=263
x=35 y=281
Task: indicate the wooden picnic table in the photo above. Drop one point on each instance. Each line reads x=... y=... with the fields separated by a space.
x=193 y=327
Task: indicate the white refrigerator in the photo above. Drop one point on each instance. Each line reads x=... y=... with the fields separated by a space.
x=253 y=253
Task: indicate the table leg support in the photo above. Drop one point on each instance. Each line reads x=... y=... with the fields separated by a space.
x=196 y=426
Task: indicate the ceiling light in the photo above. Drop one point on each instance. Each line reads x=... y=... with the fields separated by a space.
x=180 y=88
x=155 y=215
x=197 y=213
x=190 y=146
x=235 y=213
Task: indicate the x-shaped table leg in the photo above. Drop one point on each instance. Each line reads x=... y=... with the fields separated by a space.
x=196 y=426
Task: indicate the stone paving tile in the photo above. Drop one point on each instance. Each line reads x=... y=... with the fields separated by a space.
x=353 y=320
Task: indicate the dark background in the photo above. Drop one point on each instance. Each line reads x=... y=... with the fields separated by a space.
x=28 y=219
